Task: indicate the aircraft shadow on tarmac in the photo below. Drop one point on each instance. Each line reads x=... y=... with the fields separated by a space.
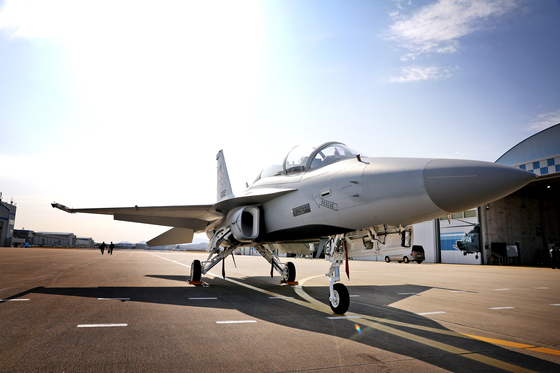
x=374 y=302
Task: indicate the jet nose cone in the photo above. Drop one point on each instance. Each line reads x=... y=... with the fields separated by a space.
x=457 y=185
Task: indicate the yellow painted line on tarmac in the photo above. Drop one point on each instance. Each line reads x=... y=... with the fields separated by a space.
x=516 y=345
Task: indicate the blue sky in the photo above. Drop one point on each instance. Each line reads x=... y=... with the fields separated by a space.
x=122 y=103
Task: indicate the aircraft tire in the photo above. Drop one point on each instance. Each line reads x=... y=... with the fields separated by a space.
x=196 y=270
x=387 y=259
x=405 y=259
x=341 y=300
x=291 y=272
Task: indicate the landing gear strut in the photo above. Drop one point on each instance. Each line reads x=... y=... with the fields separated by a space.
x=336 y=253
x=288 y=270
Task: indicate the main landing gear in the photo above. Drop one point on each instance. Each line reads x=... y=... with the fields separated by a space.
x=336 y=252
x=218 y=254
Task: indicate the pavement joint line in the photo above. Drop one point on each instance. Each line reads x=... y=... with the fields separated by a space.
x=321 y=307
x=100 y=325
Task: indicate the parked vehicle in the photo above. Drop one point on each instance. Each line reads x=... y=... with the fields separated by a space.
x=405 y=254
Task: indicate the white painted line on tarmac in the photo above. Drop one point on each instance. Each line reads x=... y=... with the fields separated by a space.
x=280 y=297
x=430 y=313
x=121 y=299
x=457 y=291
x=13 y=300
x=173 y=261
x=556 y=304
x=236 y=322
x=100 y=325
x=407 y=293
x=354 y=296
x=543 y=288
x=207 y=298
x=343 y=317
x=502 y=308
x=501 y=289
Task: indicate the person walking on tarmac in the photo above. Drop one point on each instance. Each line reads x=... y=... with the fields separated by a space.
x=102 y=247
x=555 y=257
x=111 y=247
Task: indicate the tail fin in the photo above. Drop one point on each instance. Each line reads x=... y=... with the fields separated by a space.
x=224 y=186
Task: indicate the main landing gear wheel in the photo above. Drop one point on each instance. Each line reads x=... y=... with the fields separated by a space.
x=341 y=299
x=291 y=272
x=196 y=270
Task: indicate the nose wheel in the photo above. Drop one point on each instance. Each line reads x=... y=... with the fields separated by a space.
x=336 y=252
x=340 y=299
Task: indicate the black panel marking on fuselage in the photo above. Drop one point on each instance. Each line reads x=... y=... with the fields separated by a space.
x=300 y=210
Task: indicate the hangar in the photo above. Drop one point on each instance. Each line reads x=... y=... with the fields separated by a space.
x=516 y=230
x=529 y=219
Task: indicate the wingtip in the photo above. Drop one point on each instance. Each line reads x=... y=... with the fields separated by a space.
x=61 y=207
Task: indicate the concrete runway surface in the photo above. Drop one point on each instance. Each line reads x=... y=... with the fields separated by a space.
x=68 y=310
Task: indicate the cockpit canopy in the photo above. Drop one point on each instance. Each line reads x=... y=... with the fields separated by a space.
x=304 y=158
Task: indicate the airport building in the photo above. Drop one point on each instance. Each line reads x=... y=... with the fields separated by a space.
x=7 y=221
x=24 y=238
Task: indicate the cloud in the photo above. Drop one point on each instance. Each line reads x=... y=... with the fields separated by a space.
x=438 y=27
x=544 y=121
x=419 y=73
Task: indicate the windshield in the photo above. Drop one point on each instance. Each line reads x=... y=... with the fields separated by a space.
x=309 y=157
x=331 y=153
x=296 y=160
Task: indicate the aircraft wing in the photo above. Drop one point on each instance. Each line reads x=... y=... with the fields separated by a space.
x=185 y=220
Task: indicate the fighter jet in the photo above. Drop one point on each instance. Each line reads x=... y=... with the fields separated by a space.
x=318 y=195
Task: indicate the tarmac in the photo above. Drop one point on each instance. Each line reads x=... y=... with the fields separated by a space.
x=134 y=311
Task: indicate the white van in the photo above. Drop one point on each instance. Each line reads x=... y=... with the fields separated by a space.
x=405 y=254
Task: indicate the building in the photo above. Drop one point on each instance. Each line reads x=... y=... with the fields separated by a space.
x=7 y=221
x=85 y=242
x=27 y=238
x=54 y=239
x=529 y=219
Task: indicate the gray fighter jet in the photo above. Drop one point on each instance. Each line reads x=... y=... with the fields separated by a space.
x=317 y=195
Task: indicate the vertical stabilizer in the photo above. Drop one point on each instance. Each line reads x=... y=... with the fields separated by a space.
x=224 y=186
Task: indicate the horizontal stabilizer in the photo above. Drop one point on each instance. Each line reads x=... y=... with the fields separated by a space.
x=173 y=236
